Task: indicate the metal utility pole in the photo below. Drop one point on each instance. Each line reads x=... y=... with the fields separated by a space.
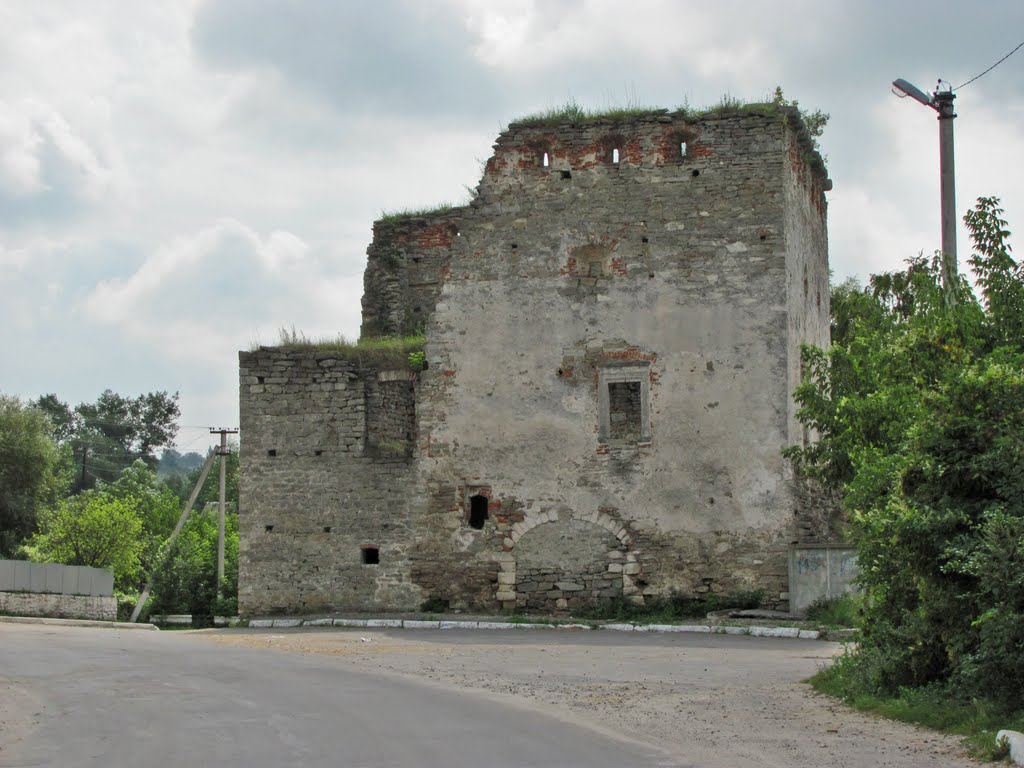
x=222 y=451
x=941 y=102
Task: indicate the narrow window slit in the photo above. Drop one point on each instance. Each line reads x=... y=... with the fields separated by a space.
x=477 y=511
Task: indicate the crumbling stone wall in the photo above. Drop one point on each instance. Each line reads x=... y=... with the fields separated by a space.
x=611 y=329
x=316 y=494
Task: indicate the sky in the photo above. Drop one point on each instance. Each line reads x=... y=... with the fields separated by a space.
x=180 y=180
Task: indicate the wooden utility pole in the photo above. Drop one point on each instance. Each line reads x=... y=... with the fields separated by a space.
x=222 y=451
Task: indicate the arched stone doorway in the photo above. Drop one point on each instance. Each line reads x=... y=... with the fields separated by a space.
x=560 y=561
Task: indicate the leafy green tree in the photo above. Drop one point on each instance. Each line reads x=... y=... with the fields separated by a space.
x=920 y=411
x=94 y=529
x=187 y=580
x=108 y=435
x=156 y=505
x=33 y=470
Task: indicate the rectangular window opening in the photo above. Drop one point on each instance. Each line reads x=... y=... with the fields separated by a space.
x=371 y=555
x=625 y=411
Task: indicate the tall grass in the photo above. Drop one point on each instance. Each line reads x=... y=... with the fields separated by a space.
x=396 y=351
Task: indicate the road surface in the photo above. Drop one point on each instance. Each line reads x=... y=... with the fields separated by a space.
x=76 y=697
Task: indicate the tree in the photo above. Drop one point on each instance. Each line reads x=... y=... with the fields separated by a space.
x=155 y=504
x=108 y=435
x=94 y=529
x=920 y=411
x=33 y=470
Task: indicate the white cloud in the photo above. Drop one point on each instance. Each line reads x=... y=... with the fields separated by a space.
x=200 y=298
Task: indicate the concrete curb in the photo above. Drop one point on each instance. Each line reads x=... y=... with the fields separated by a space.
x=75 y=622
x=291 y=623
x=1016 y=741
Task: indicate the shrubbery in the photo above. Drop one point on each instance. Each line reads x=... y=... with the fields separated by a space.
x=920 y=408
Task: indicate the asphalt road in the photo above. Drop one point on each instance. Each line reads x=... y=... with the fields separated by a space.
x=76 y=697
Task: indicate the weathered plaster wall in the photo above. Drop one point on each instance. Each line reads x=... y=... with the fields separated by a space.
x=575 y=293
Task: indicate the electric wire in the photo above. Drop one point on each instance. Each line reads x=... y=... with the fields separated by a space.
x=992 y=67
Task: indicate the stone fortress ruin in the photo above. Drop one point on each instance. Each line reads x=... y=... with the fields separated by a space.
x=613 y=331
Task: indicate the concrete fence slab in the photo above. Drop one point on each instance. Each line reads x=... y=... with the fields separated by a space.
x=54 y=579
x=36 y=578
x=22 y=580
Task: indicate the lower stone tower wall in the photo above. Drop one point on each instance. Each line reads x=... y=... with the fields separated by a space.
x=325 y=449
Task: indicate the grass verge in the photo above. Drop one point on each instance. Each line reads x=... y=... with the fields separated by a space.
x=934 y=707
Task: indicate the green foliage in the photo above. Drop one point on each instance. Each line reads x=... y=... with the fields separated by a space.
x=187 y=580
x=108 y=435
x=95 y=529
x=434 y=605
x=390 y=217
x=417 y=360
x=938 y=706
x=920 y=411
x=33 y=470
x=673 y=607
x=573 y=112
x=844 y=611
x=157 y=506
x=381 y=350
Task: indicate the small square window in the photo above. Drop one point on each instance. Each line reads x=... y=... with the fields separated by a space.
x=370 y=555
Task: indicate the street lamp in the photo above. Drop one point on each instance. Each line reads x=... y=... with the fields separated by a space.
x=941 y=102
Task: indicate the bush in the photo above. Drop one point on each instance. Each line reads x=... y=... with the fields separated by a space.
x=842 y=611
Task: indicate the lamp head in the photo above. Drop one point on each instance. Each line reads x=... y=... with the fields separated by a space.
x=902 y=88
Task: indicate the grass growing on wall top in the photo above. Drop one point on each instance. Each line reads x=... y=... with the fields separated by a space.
x=402 y=352
x=389 y=217
x=572 y=112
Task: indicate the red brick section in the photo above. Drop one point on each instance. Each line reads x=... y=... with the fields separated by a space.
x=438 y=235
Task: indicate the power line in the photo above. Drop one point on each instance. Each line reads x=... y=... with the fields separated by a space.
x=992 y=67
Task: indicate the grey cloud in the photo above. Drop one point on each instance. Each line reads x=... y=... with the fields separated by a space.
x=391 y=56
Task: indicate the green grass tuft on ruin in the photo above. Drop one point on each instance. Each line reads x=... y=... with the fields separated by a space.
x=390 y=217
x=572 y=112
x=397 y=352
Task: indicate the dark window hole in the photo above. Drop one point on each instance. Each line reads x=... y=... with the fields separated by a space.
x=272 y=452
x=566 y=174
x=417 y=309
x=624 y=410
x=645 y=240
x=318 y=452
x=417 y=259
x=695 y=173
x=515 y=246
x=763 y=236
x=259 y=379
x=268 y=528
x=477 y=511
x=371 y=556
x=327 y=529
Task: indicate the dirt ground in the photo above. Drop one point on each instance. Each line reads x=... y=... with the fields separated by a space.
x=709 y=700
